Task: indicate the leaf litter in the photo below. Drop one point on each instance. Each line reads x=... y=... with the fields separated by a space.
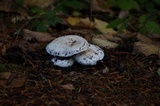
x=122 y=78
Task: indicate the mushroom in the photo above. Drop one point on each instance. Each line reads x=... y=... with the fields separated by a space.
x=68 y=48
x=90 y=56
x=63 y=63
x=65 y=47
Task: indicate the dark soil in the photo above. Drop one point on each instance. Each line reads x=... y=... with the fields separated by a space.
x=130 y=80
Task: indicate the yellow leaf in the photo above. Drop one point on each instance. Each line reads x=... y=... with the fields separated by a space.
x=102 y=27
x=104 y=43
x=73 y=21
x=80 y=22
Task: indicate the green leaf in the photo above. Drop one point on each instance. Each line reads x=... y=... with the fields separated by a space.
x=36 y=22
x=55 y=21
x=115 y=23
x=142 y=19
x=142 y=1
x=19 y=1
x=128 y=5
x=74 y=4
x=156 y=1
x=36 y=10
x=152 y=27
x=41 y=27
x=149 y=6
x=50 y=15
x=122 y=27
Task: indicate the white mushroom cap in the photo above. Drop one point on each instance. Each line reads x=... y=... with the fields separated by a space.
x=62 y=63
x=91 y=56
x=66 y=46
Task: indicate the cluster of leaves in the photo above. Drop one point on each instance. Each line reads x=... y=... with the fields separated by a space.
x=42 y=18
x=145 y=12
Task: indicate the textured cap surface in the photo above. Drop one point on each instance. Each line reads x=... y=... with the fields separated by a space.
x=91 y=56
x=66 y=46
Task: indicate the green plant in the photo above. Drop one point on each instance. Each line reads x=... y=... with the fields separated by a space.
x=145 y=10
x=68 y=6
x=119 y=23
x=41 y=19
x=44 y=19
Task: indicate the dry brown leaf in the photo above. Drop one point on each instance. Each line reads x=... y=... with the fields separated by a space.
x=110 y=37
x=3 y=48
x=39 y=3
x=98 y=6
x=154 y=36
x=146 y=49
x=144 y=39
x=39 y=36
x=68 y=86
x=5 y=5
x=104 y=43
x=5 y=75
x=80 y=22
x=102 y=27
x=82 y=31
x=126 y=35
x=12 y=79
x=18 y=81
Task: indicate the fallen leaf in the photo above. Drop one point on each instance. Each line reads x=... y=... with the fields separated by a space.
x=73 y=21
x=12 y=79
x=5 y=5
x=144 y=39
x=102 y=27
x=68 y=86
x=126 y=35
x=18 y=81
x=154 y=36
x=110 y=37
x=3 y=83
x=98 y=6
x=80 y=22
x=3 y=48
x=82 y=31
x=146 y=49
x=104 y=43
x=39 y=36
x=5 y=75
x=39 y=3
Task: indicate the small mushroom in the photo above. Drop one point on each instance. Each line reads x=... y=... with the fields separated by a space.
x=67 y=46
x=63 y=63
x=90 y=56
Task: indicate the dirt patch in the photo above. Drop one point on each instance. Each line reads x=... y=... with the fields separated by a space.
x=128 y=80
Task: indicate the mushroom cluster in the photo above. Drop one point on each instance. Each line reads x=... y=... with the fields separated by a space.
x=70 y=48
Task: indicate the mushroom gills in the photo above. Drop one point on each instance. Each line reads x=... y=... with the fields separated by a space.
x=62 y=63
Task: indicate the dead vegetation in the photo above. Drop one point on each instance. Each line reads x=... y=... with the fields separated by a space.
x=128 y=75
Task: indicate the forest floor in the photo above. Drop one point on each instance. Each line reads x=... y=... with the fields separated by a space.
x=28 y=78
